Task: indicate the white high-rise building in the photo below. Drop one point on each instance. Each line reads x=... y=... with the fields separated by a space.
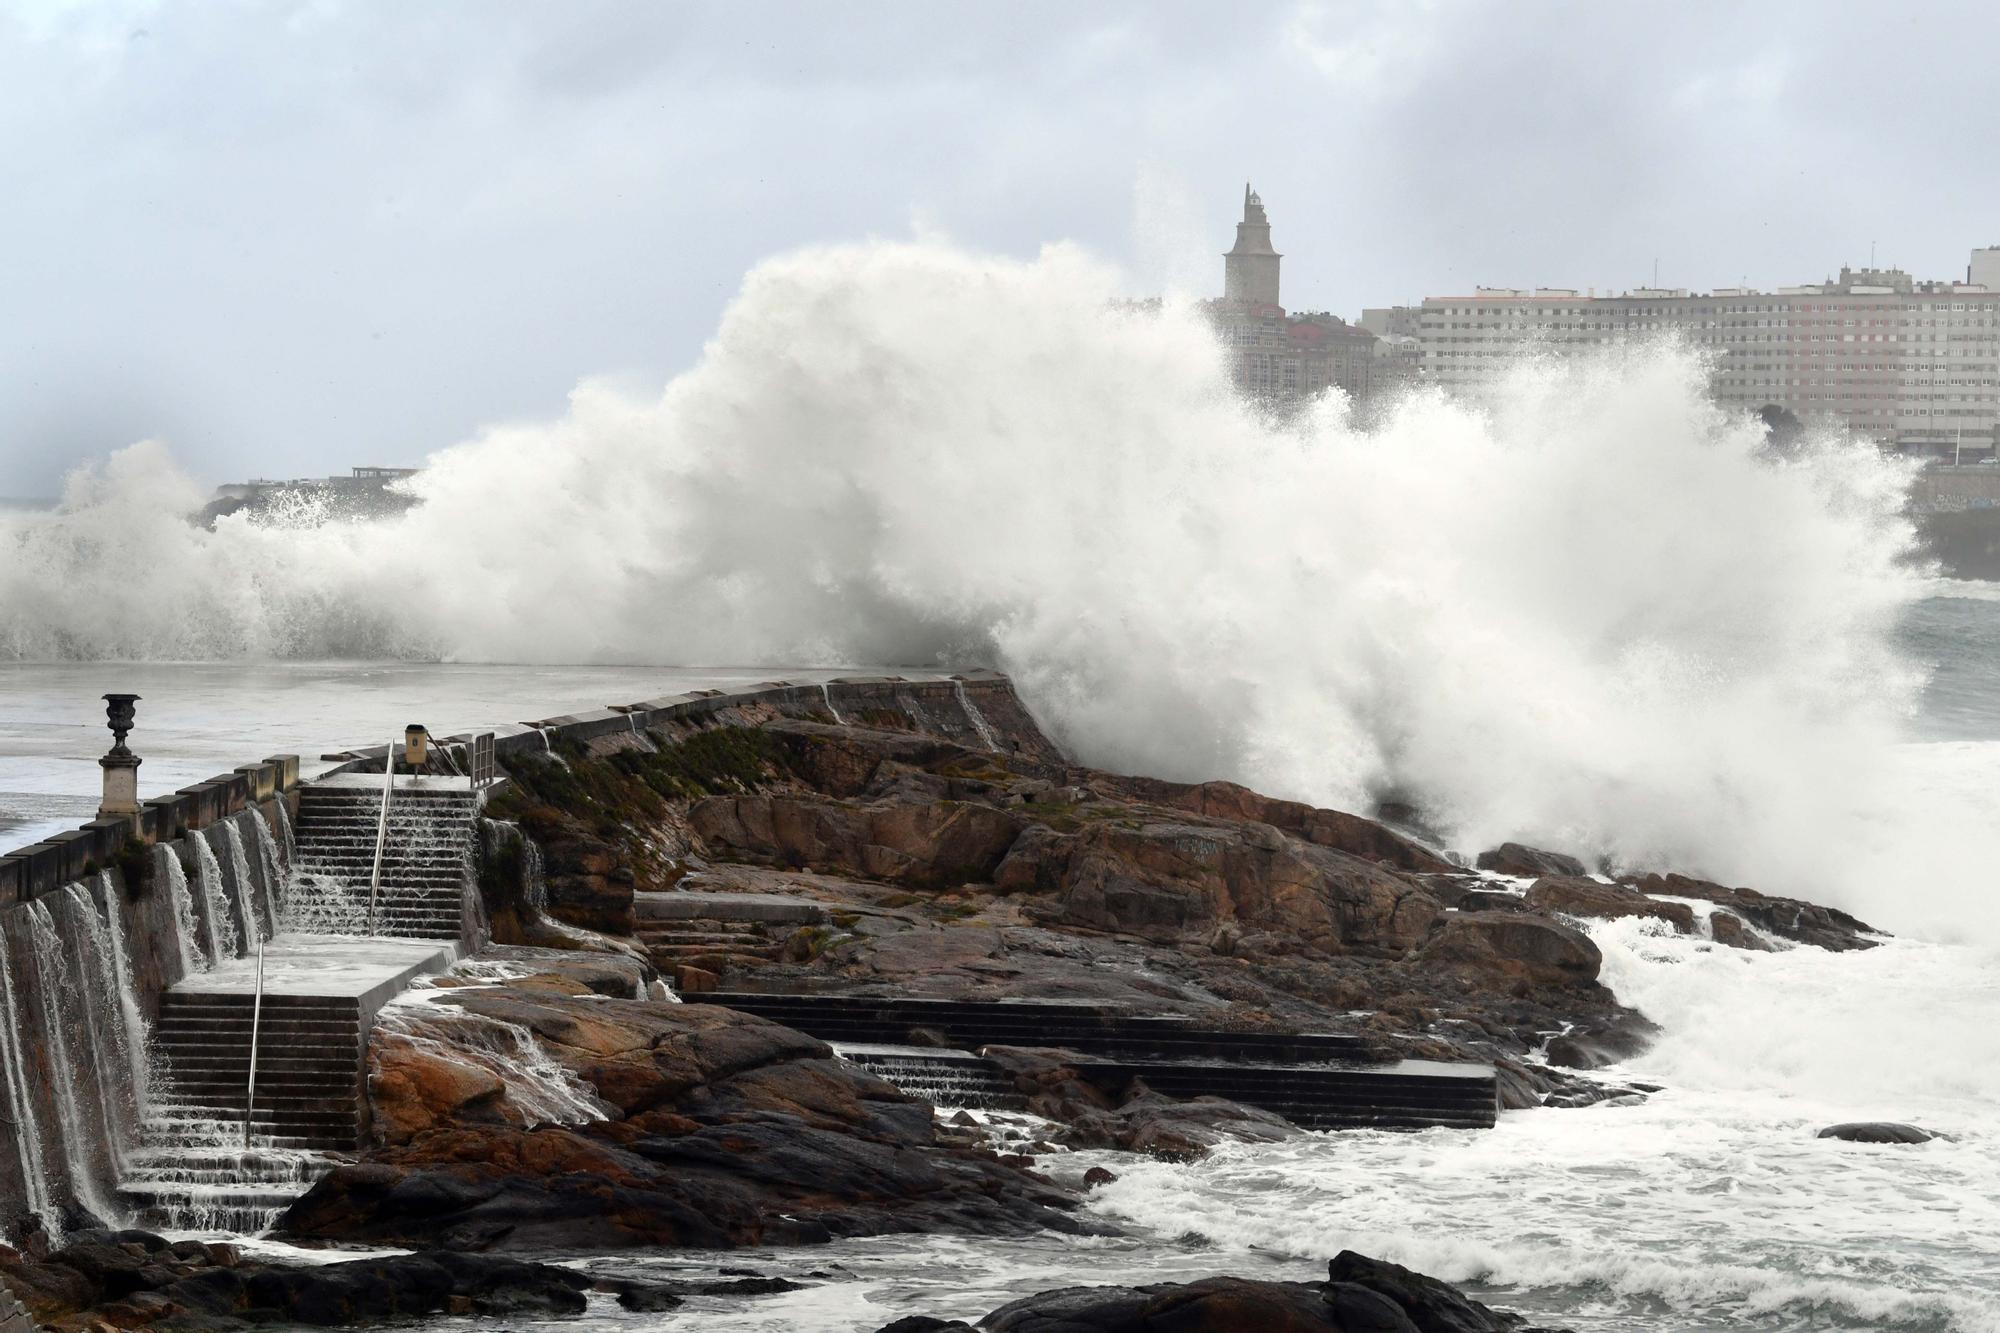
x=1914 y=364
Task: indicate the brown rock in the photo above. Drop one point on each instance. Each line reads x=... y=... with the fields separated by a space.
x=1333 y=829
x=412 y=1088
x=1728 y=928
x=1514 y=858
x=1164 y=880
x=1788 y=918
x=1573 y=896
x=1532 y=949
x=689 y=980
x=939 y=844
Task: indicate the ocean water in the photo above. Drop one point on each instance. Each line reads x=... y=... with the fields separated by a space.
x=198 y=719
x=1590 y=611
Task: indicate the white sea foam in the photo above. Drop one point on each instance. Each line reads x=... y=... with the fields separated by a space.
x=1592 y=613
x=1714 y=1204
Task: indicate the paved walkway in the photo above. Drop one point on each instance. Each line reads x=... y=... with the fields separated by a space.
x=368 y=971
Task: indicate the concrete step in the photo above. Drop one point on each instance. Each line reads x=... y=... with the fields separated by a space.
x=284 y=1058
x=193 y=999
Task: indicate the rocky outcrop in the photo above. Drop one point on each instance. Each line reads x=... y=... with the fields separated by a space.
x=1161 y=880
x=1729 y=929
x=1519 y=859
x=720 y=1130
x=133 y=1279
x=951 y=866
x=1334 y=829
x=929 y=844
x=1360 y=1295
x=1788 y=918
x=1530 y=950
x=1572 y=895
x=1603 y=1042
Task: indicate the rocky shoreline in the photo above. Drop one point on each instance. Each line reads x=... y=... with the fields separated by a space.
x=549 y=1098
x=129 y=1279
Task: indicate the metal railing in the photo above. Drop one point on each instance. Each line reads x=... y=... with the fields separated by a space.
x=256 y=1021
x=382 y=830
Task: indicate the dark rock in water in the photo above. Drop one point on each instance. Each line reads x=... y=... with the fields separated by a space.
x=923 y=1323
x=1361 y=1295
x=1877 y=1131
x=1594 y=1045
x=1217 y=1304
x=1787 y=918
x=1535 y=950
x=1729 y=929
x=1574 y=896
x=128 y=1279
x=1514 y=858
x=1430 y=1305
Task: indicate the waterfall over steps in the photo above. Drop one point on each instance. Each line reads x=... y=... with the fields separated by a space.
x=426 y=863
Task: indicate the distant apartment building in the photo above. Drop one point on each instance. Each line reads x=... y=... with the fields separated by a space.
x=1911 y=364
x=1279 y=358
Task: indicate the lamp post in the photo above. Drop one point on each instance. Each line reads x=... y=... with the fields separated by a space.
x=120 y=765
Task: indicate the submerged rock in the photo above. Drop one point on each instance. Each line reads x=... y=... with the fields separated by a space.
x=1876 y=1131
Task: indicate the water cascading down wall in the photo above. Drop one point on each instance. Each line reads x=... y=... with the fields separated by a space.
x=94 y=926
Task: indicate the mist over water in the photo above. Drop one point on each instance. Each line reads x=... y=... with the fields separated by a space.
x=1594 y=613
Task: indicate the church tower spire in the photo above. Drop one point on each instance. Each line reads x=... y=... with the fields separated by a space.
x=1250 y=269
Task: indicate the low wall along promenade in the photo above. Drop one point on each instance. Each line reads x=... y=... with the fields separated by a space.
x=98 y=924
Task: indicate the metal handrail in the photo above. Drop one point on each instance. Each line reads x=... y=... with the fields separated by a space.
x=256 y=1021
x=381 y=831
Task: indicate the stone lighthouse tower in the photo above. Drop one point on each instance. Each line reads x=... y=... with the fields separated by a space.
x=1250 y=269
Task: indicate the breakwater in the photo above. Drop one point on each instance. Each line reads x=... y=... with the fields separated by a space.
x=99 y=924
x=85 y=960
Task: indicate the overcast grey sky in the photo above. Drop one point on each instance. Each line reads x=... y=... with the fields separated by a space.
x=288 y=237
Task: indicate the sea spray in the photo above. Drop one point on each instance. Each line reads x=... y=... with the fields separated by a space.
x=1713 y=1198
x=1592 y=610
x=222 y=937
x=193 y=954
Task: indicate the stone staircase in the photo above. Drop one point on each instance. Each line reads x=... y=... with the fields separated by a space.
x=192 y=1169
x=714 y=945
x=943 y=1078
x=425 y=860
x=1315 y=1080
x=718 y=930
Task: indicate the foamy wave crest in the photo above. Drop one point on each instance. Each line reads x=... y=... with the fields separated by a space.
x=1593 y=612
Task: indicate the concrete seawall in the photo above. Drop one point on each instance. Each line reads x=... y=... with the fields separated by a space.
x=98 y=923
